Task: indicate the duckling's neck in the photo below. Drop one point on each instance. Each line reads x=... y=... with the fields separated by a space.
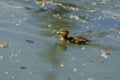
x=64 y=38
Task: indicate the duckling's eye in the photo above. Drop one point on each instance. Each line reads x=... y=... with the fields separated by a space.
x=62 y=31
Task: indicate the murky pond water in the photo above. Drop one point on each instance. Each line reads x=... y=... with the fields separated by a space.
x=31 y=50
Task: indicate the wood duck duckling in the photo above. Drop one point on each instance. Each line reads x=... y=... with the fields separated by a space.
x=72 y=39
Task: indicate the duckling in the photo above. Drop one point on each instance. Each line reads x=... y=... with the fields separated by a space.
x=72 y=39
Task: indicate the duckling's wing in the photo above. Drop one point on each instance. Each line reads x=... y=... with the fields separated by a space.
x=81 y=39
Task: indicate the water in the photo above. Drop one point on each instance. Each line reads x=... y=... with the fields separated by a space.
x=47 y=58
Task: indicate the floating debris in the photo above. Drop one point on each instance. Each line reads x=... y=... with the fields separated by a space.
x=3 y=45
x=6 y=72
x=75 y=69
x=84 y=64
x=88 y=33
x=104 y=56
x=12 y=55
x=57 y=16
x=103 y=1
x=114 y=30
x=47 y=2
x=74 y=17
x=62 y=65
x=25 y=18
x=13 y=77
x=49 y=25
x=105 y=53
x=17 y=23
x=23 y=67
x=1 y=57
x=69 y=78
x=29 y=41
x=83 y=48
x=94 y=3
x=11 y=6
x=91 y=78
x=31 y=73
x=95 y=60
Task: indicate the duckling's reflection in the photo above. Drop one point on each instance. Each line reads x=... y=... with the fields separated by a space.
x=51 y=76
x=61 y=46
x=53 y=57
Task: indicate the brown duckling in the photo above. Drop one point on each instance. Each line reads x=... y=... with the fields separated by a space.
x=72 y=39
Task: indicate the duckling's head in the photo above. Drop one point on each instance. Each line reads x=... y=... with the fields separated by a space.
x=64 y=32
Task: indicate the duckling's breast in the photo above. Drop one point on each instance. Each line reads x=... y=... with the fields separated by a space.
x=62 y=39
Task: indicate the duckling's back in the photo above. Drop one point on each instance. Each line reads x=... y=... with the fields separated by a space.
x=80 y=40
